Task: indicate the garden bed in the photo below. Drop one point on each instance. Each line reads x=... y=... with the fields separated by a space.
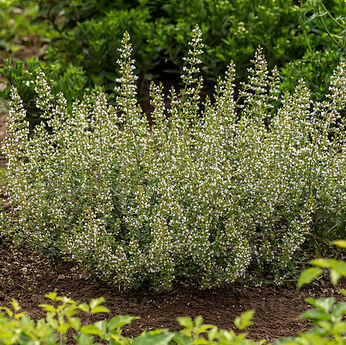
x=28 y=277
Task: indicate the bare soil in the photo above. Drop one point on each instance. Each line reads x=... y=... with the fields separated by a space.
x=27 y=277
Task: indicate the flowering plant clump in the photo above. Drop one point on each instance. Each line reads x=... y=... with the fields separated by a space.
x=209 y=190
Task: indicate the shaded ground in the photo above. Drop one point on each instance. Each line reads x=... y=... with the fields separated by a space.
x=28 y=277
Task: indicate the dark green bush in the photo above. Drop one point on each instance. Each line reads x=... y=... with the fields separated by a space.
x=14 y=29
x=306 y=41
x=323 y=27
x=67 y=78
x=232 y=31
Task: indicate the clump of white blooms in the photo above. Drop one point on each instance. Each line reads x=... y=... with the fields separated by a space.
x=210 y=189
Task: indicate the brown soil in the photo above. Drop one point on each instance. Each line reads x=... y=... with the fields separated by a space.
x=27 y=277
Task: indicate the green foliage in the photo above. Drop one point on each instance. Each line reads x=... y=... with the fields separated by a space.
x=211 y=193
x=336 y=268
x=67 y=78
x=327 y=19
x=89 y=31
x=93 y=45
x=61 y=318
x=327 y=316
x=14 y=28
x=305 y=41
x=324 y=28
x=315 y=68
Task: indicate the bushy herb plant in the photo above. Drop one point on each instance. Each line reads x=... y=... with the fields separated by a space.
x=212 y=192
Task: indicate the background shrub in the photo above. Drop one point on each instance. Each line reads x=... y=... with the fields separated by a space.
x=15 y=32
x=211 y=193
x=305 y=41
x=69 y=78
x=159 y=29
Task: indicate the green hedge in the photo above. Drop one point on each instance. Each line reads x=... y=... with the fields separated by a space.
x=306 y=41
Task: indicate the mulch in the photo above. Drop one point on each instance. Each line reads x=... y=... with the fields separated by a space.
x=27 y=277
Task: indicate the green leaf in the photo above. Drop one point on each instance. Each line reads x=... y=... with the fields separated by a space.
x=339 y=309
x=96 y=302
x=212 y=333
x=119 y=321
x=63 y=328
x=340 y=266
x=334 y=276
x=99 y=309
x=316 y=315
x=52 y=296
x=324 y=304
x=185 y=322
x=343 y=292
x=84 y=307
x=198 y=321
x=15 y=304
x=200 y=341
x=102 y=326
x=339 y=328
x=19 y=316
x=308 y=275
x=326 y=263
x=340 y=243
x=75 y=323
x=8 y=311
x=90 y=329
x=48 y=307
x=182 y=339
x=52 y=322
x=155 y=339
x=204 y=328
x=244 y=320
x=85 y=339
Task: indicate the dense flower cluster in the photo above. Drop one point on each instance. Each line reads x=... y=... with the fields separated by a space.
x=206 y=191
